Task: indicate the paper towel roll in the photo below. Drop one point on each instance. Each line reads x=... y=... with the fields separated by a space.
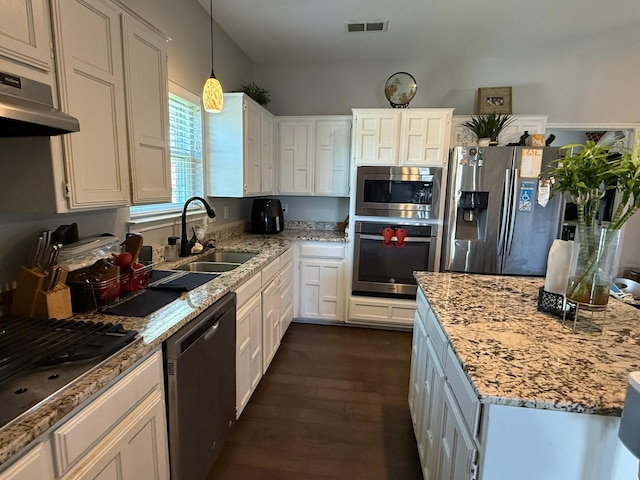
x=558 y=264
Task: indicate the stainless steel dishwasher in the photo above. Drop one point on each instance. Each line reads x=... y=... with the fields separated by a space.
x=201 y=389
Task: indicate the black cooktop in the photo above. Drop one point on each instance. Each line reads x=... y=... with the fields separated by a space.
x=39 y=357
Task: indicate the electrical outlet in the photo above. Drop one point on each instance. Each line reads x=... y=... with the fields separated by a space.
x=225 y=214
x=285 y=207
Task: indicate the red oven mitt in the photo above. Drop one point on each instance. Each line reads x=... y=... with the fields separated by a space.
x=401 y=234
x=387 y=234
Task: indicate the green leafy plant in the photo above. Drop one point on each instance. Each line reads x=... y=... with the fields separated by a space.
x=259 y=94
x=484 y=126
x=586 y=173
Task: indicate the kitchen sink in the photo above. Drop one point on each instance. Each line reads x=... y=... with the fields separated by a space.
x=208 y=267
x=217 y=262
x=227 y=257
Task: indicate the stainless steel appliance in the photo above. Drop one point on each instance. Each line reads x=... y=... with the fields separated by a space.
x=266 y=216
x=387 y=254
x=26 y=109
x=499 y=220
x=40 y=357
x=201 y=389
x=401 y=192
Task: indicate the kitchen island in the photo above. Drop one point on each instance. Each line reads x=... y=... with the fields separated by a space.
x=152 y=331
x=510 y=392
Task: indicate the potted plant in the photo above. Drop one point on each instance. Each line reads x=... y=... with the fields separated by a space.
x=488 y=126
x=259 y=94
x=585 y=174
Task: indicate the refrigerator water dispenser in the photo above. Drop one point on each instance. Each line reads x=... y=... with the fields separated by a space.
x=471 y=219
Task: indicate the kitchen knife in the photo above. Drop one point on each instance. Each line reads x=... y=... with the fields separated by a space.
x=36 y=251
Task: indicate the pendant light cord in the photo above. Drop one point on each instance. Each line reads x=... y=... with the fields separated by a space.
x=211 y=15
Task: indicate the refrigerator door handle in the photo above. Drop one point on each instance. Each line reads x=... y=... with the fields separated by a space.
x=505 y=212
x=514 y=209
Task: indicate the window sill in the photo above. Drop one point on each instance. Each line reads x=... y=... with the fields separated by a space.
x=164 y=219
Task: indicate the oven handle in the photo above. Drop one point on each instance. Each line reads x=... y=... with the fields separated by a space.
x=395 y=239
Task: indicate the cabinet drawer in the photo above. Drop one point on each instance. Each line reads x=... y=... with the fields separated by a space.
x=464 y=393
x=248 y=289
x=92 y=423
x=270 y=271
x=437 y=335
x=286 y=256
x=319 y=250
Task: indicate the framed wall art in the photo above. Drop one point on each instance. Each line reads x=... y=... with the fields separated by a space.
x=493 y=100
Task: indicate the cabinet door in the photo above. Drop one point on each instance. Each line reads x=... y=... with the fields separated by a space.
x=286 y=297
x=24 y=35
x=89 y=48
x=424 y=137
x=295 y=165
x=270 y=323
x=457 y=453
x=522 y=123
x=246 y=351
x=332 y=140
x=145 y=66
x=417 y=373
x=136 y=449
x=430 y=418
x=37 y=463
x=322 y=293
x=267 y=179
x=376 y=137
x=252 y=148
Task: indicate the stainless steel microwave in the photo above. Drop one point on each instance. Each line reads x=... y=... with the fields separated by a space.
x=401 y=192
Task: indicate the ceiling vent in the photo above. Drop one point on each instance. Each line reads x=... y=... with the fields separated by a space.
x=377 y=26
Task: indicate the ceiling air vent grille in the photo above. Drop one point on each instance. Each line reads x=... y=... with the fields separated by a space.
x=377 y=26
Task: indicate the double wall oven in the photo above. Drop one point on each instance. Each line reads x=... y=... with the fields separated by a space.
x=388 y=250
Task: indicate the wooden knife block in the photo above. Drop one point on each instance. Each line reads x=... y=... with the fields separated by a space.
x=32 y=300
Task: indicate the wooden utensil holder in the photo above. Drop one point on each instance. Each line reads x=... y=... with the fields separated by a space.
x=32 y=300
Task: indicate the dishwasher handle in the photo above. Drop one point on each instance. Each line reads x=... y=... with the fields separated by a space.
x=212 y=331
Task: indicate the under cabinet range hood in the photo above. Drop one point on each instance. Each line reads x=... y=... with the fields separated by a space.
x=26 y=109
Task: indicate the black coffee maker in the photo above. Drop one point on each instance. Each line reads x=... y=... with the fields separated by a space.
x=266 y=216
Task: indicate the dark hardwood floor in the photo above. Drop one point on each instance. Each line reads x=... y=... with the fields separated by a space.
x=333 y=405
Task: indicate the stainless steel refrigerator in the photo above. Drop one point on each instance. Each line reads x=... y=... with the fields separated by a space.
x=500 y=219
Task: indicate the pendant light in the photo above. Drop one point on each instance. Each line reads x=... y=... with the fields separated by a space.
x=212 y=95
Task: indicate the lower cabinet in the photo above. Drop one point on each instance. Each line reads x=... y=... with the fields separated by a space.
x=120 y=434
x=264 y=312
x=381 y=311
x=321 y=282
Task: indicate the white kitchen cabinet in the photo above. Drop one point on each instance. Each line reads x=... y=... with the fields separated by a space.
x=381 y=311
x=248 y=340
x=313 y=155
x=37 y=463
x=415 y=137
x=267 y=164
x=91 y=85
x=145 y=67
x=511 y=134
x=236 y=148
x=112 y=76
x=25 y=34
x=123 y=431
x=134 y=450
x=321 y=283
x=277 y=304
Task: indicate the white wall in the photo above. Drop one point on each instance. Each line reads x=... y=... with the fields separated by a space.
x=580 y=89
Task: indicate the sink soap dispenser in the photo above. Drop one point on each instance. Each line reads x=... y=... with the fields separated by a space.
x=171 y=251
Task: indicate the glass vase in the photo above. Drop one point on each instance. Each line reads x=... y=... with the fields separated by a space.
x=593 y=266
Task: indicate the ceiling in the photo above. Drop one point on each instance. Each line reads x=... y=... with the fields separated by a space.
x=302 y=31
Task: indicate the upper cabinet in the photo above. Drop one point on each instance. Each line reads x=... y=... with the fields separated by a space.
x=24 y=33
x=120 y=156
x=240 y=145
x=313 y=155
x=412 y=137
x=145 y=66
x=511 y=134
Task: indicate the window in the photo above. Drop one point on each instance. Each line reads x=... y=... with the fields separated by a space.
x=185 y=144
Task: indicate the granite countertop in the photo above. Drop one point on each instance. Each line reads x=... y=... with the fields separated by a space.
x=153 y=330
x=515 y=355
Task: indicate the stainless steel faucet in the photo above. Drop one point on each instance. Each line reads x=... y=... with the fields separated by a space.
x=185 y=245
